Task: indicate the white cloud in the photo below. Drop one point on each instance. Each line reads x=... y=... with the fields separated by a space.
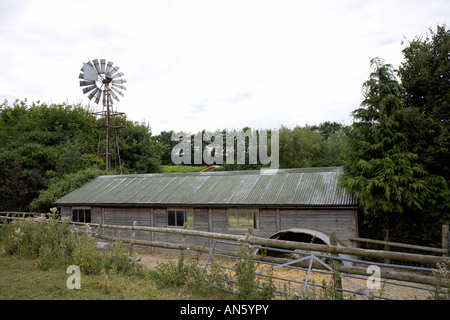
x=193 y=65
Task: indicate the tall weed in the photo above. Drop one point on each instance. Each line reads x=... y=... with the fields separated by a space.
x=51 y=241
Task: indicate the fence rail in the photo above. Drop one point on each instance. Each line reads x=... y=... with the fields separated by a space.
x=397 y=274
x=401 y=256
x=401 y=245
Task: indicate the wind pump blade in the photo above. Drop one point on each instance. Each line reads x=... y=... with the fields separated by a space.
x=117 y=75
x=102 y=65
x=96 y=65
x=113 y=70
x=119 y=81
x=92 y=94
x=86 y=83
x=90 y=73
x=108 y=68
x=117 y=91
x=86 y=90
x=114 y=95
x=97 y=96
x=118 y=86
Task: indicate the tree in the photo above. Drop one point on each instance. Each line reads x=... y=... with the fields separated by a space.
x=333 y=136
x=19 y=183
x=311 y=146
x=165 y=140
x=139 y=151
x=60 y=186
x=380 y=170
x=32 y=140
x=327 y=129
x=40 y=143
x=425 y=76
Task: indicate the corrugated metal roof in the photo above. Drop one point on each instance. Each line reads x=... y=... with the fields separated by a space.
x=286 y=187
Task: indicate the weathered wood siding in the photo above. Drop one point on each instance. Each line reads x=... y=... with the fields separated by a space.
x=343 y=222
x=96 y=213
x=271 y=221
x=267 y=223
x=126 y=217
x=66 y=212
x=202 y=219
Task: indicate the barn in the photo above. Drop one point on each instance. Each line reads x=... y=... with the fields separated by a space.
x=290 y=204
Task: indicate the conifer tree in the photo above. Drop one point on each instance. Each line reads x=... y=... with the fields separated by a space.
x=379 y=169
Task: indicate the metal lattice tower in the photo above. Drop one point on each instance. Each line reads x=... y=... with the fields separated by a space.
x=102 y=82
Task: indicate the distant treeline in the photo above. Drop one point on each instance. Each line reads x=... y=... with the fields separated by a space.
x=298 y=147
x=47 y=150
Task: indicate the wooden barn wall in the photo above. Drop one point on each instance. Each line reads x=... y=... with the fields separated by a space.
x=342 y=221
x=267 y=223
x=96 y=213
x=66 y=212
x=126 y=217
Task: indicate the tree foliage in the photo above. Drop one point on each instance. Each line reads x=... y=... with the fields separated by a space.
x=380 y=170
x=309 y=146
x=425 y=75
x=396 y=158
x=60 y=186
x=42 y=144
x=312 y=146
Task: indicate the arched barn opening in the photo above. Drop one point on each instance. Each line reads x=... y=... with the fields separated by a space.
x=302 y=235
x=298 y=236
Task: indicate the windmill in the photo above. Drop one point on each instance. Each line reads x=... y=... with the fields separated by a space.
x=102 y=82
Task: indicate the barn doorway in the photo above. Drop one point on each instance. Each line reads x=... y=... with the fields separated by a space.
x=304 y=235
x=298 y=237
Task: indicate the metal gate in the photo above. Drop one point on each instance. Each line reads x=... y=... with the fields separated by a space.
x=294 y=277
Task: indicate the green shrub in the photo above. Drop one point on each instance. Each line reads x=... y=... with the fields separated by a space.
x=54 y=245
x=249 y=284
x=178 y=274
x=26 y=237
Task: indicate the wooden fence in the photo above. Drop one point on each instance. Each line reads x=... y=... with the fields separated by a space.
x=443 y=258
x=291 y=245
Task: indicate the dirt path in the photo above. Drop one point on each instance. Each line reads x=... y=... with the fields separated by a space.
x=151 y=259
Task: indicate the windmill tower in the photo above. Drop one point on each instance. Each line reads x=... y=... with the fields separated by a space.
x=102 y=82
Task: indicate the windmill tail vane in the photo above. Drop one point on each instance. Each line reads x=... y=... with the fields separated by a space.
x=101 y=81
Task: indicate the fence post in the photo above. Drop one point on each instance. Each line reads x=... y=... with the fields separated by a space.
x=386 y=246
x=445 y=240
x=133 y=234
x=338 y=294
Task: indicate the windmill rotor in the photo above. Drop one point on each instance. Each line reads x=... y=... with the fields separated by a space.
x=101 y=81
x=98 y=78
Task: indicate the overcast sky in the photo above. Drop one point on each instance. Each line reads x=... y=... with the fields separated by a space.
x=207 y=64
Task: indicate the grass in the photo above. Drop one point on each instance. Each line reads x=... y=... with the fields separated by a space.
x=35 y=254
x=22 y=279
x=181 y=168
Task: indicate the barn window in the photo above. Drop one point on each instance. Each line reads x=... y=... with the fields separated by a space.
x=243 y=219
x=81 y=215
x=177 y=218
